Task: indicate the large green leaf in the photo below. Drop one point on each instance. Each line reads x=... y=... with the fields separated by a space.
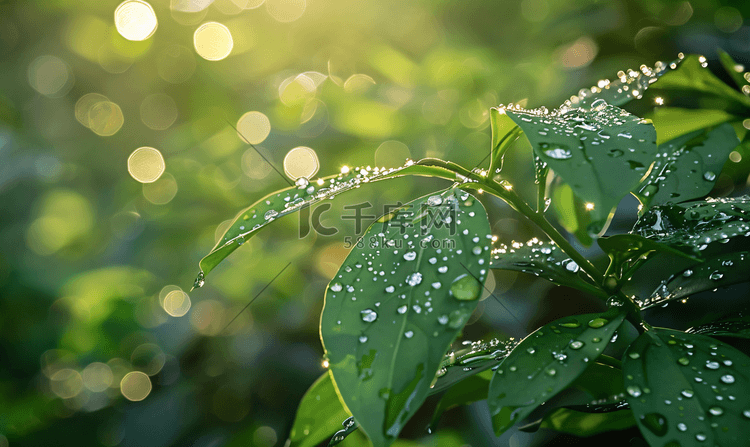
x=546 y=362
x=687 y=389
x=543 y=259
x=319 y=414
x=397 y=303
x=628 y=251
x=688 y=167
x=730 y=327
x=674 y=122
x=476 y=357
x=719 y=271
x=733 y=69
x=290 y=200
x=602 y=152
x=699 y=224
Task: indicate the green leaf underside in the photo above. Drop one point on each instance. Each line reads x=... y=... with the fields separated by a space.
x=468 y=391
x=545 y=363
x=543 y=259
x=731 y=327
x=602 y=153
x=397 y=304
x=733 y=69
x=571 y=212
x=289 y=200
x=626 y=249
x=715 y=272
x=584 y=424
x=319 y=414
x=687 y=389
x=697 y=224
x=688 y=166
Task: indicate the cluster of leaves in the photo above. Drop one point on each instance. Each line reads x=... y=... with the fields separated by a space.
x=396 y=305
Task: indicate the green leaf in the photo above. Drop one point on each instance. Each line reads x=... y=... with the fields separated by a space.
x=673 y=122
x=715 y=272
x=319 y=414
x=571 y=212
x=687 y=389
x=545 y=363
x=690 y=168
x=468 y=391
x=697 y=225
x=627 y=251
x=504 y=133
x=602 y=152
x=730 y=327
x=397 y=303
x=585 y=424
x=290 y=200
x=733 y=69
x=477 y=357
x=543 y=259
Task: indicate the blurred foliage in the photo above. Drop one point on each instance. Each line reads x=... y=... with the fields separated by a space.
x=90 y=255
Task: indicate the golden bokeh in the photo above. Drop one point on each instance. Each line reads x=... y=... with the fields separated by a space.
x=297 y=90
x=135 y=20
x=50 y=76
x=105 y=118
x=176 y=64
x=301 y=162
x=97 y=377
x=146 y=164
x=66 y=383
x=158 y=111
x=84 y=105
x=286 y=10
x=252 y=4
x=161 y=191
x=358 y=83
x=176 y=303
x=253 y=127
x=135 y=386
x=213 y=41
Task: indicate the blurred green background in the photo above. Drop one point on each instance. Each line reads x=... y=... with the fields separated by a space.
x=92 y=260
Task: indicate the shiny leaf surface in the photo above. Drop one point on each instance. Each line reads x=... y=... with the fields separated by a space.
x=319 y=414
x=626 y=251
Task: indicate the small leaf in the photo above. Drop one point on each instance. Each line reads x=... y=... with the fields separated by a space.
x=545 y=363
x=319 y=414
x=690 y=168
x=464 y=363
x=731 y=327
x=571 y=212
x=602 y=152
x=687 y=389
x=290 y=200
x=733 y=69
x=584 y=424
x=697 y=225
x=626 y=250
x=504 y=133
x=468 y=391
x=673 y=122
x=393 y=309
x=715 y=272
x=543 y=259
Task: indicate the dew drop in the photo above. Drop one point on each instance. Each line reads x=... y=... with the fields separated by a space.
x=598 y=105
x=716 y=411
x=687 y=393
x=270 y=214
x=435 y=200
x=362 y=338
x=402 y=310
x=709 y=176
x=633 y=390
x=414 y=279
x=598 y=322
x=408 y=334
x=727 y=378
x=369 y=315
x=576 y=344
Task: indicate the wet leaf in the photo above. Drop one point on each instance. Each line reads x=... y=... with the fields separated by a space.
x=543 y=259
x=733 y=69
x=688 y=167
x=673 y=122
x=397 y=303
x=545 y=363
x=626 y=251
x=319 y=414
x=730 y=327
x=504 y=133
x=715 y=272
x=687 y=389
x=601 y=152
x=290 y=200
x=477 y=357
x=584 y=424
x=468 y=391
x=698 y=225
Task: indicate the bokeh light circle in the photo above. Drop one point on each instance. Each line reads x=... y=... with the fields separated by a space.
x=135 y=386
x=286 y=10
x=301 y=162
x=105 y=118
x=50 y=76
x=84 y=105
x=176 y=303
x=253 y=127
x=135 y=20
x=213 y=41
x=146 y=164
